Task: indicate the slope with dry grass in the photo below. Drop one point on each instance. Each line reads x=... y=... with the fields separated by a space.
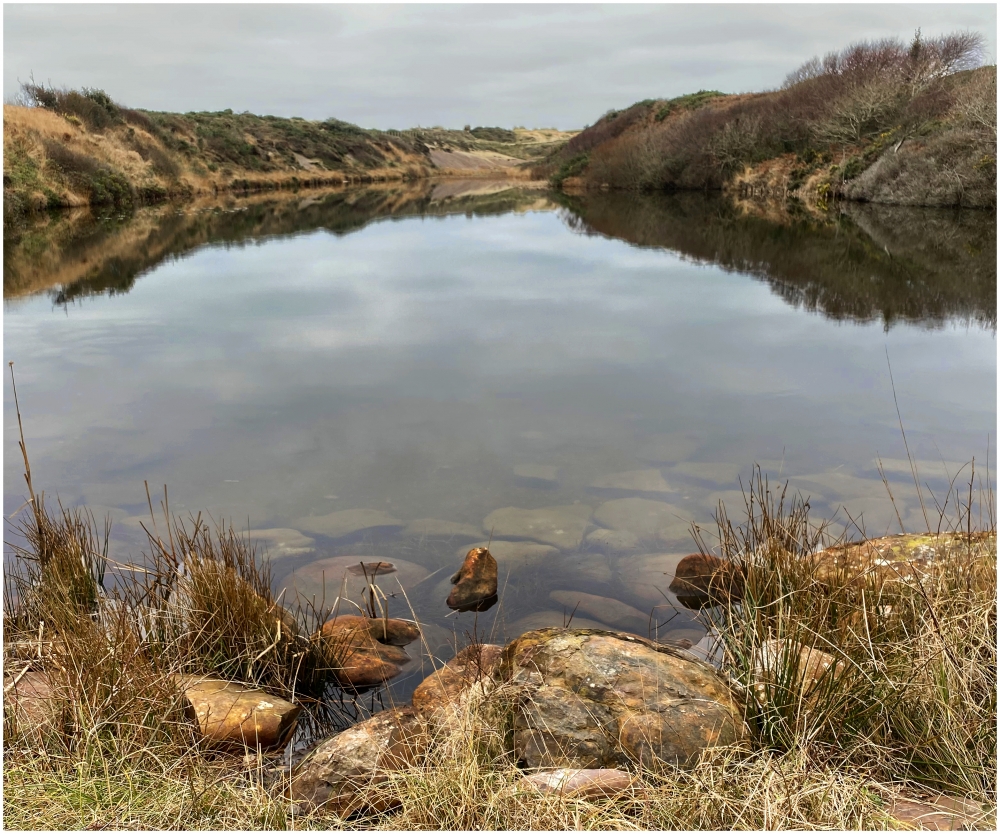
x=75 y=148
x=878 y=121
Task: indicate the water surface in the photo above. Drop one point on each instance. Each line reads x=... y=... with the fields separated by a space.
x=440 y=355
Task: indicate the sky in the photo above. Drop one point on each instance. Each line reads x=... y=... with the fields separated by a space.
x=398 y=66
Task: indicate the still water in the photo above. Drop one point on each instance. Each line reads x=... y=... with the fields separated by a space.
x=382 y=375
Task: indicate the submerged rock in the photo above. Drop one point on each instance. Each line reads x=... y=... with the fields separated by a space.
x=435 y=528
x=613 y=541
x=642 y=517
x=346 y=773
x=562 y=527
x=475 y=582
x=282 y=542
x=339 y=576
x=583 y=783
x=537 y=474
x=368 y=650
x=343 y=523
x=611 y=611
x=550 y=619
x=600 y=699
x=637 y=480
x=231 y=715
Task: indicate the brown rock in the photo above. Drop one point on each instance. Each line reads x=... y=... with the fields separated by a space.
x=702 y=579
x=347 y=772
x=599 y=699
x=475 y=583
x=231 y=715
x=367 y=649
x=585 y=783
x=442 y=693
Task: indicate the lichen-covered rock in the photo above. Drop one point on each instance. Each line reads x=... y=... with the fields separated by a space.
x=230 y=715
x=600 y=699
x=904 y=558
x=583 y=783
x=475 y=582
x=344 y=774
x=441 y=696
x=367 y=649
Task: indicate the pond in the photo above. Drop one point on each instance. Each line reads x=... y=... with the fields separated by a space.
x=400 y=373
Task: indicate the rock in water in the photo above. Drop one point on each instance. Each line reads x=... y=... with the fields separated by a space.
x=702 y=579
x=230 y=715
x=344 y=773
x=475 y=583
x=638 y=480
x=600 y=699
x=366 y=649
x=642 y=517
x=562 y=527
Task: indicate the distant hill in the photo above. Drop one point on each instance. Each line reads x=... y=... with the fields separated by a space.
x=879 y=121
x=74 y=148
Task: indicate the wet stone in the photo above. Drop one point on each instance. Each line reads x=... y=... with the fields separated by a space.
x=562 y=526
x=475 y=582
x=702 y=579
x=367 y=651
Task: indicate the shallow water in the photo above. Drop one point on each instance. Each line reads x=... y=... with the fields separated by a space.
x=277 y=361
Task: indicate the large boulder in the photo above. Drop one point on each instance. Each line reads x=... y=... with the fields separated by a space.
x=590 y=698
x=346 y=773
x=367 y=650
x=233 y=716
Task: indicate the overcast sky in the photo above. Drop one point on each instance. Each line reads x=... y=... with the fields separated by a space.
x=397 y=66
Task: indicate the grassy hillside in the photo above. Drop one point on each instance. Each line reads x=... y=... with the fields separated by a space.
x=72 y=148
x=879 y=121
